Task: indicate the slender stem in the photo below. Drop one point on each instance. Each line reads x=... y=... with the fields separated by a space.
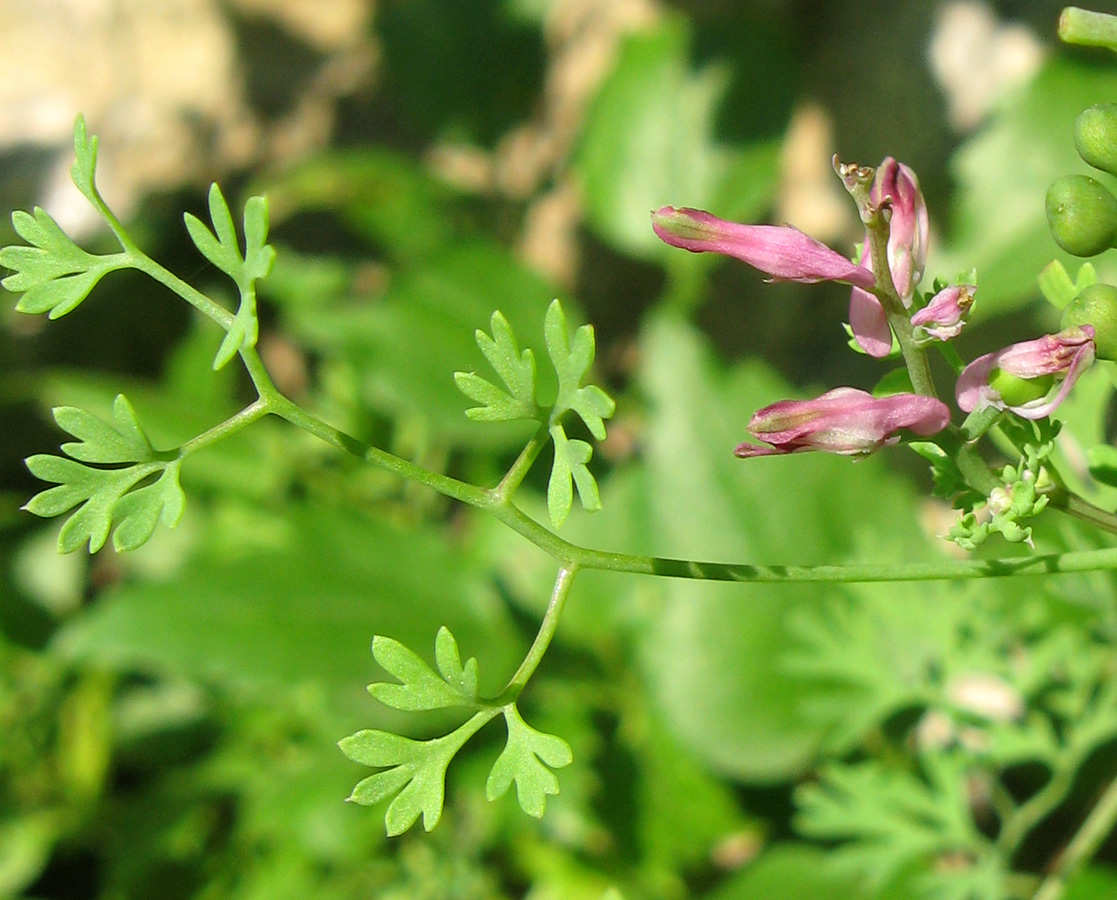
x=1039 y=806
x=543 y=637
x=1080 y=508
x=514 y=477
x=256 y=410
x=1098 y=825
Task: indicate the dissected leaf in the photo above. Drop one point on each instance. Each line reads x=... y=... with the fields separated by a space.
x=84 y=169
x=525 y=760
x=96 y=490
x=572 y=360
x=569 y=465
x=516 y=370
x=54 y=274
x=98 y=441
x=414 y=769
x=140 y=510
x=420 y=687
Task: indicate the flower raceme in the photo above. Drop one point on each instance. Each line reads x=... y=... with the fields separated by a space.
x=1020 y=377
x=779 y=251
x=844 y=420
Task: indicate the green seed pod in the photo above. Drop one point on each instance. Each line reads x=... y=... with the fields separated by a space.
x=1082 y=215
x=1095 y=136
x=1016 y=391
x=1097 y=306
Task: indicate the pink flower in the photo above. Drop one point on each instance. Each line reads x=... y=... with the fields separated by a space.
x=845 y=420
x=945 y=315
x=780 y=251
x=1020 y=376
x=896 y=185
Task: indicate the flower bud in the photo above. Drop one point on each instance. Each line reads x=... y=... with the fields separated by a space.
x=1097 y=306
x=1082 y=215
x=1095 y=136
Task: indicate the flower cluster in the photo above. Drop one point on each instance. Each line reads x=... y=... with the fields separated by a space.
x=1029 y=379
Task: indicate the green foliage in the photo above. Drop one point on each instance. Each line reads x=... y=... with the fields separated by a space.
x=525 y=760
x=421 y=688
x=415 y=771
x=221 y=248
x=572 y=360
x=516 y=370
x=106 y=496
x=54 y=274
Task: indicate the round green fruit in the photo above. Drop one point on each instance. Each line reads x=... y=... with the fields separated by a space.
x=1016 y=391
x=1082 y=215
x=1097 y=306
x=1095 y=136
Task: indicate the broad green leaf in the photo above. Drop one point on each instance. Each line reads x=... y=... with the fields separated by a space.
x=715 y=654
x=293 y=602
x=525 y=760
x=403 y=347
x=648 y=138
x=569 y=469
x=420 y=688
x=449 y=661
x=790 y=872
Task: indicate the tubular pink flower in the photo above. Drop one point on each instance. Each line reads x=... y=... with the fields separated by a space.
x=780 y=251
x=1064 y=356
x=944 y=317
x=896 y=185
x=845 y=420
x=908 y=225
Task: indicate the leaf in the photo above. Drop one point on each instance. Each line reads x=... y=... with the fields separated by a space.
x=891 y=819
x=525 y=760
x=414 y=769
x=54 y=274
x=99 y=442
x=139 y=511
x=221 y=248
x=420 y=687
x=516 y=370
x=572 y=361
x=449 y=661
x=94 y=491
x=84 y=170
x=570 y=461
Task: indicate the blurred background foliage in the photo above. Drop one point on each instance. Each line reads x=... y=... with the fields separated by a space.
x=169 y=717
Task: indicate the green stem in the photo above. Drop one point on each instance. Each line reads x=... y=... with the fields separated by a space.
x=246 y=416
x=1038 y=807
x=514 y=477
x=543 y=637
x=1098 y=825
x=1088 y=28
